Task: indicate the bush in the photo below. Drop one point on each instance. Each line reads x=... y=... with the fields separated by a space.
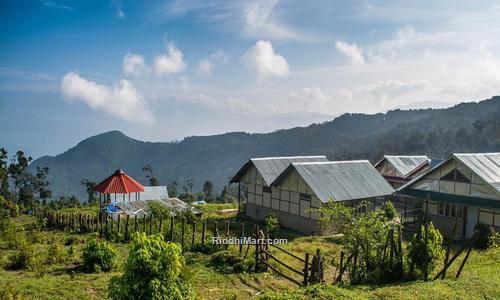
x=10 y=238
x=74 y=240
x=227 y=262
x=98 y=256
x=25 y=257
x=482 y=236
x=154 y=270
x=56 y=253
x=422 y=259
x=208 y=248
x=389 y=210
x=272 y=224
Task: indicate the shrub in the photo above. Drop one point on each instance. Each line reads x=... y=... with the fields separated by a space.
x=495 y=240
x=482 y=236
x=56 y=253
x=426 y=260
x=272 y=224
x=74 y=240
x=25 y=257
x=98 y=256
x=154 y=270
x=10 y=238
x=389 y=210
x=207 y=248
x=227 y=262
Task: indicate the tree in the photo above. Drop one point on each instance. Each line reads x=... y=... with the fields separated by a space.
x=19 y=174
x=172 y=189
x=153 y=181
x=41 y=183
x=189 y=186
x=426 y=250
x=90 y=185
x=4 y=174
x=208 y=189
x=154 y=270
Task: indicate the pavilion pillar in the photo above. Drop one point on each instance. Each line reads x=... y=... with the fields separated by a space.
x=239 y=196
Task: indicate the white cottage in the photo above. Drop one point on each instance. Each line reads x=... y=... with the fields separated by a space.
x=463 y=189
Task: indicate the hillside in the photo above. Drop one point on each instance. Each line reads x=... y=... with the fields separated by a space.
x=467 y=127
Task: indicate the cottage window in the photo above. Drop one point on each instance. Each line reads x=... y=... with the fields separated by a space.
x=266 y=189
x=305 y=197
x=450 y=210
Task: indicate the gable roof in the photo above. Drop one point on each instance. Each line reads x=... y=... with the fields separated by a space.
x=154 y=193
x=341 y=180
x=484 y=165
x=405 y=164
x=271 y=167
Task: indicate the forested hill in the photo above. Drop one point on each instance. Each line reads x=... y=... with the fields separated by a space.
x=467 y=127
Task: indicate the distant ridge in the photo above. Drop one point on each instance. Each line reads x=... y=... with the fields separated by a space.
x=466 y=127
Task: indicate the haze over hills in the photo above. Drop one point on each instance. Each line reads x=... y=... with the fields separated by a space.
x=467 y=127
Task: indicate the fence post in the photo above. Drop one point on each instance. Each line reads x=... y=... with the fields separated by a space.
x=339 y=278
x=203 y=232
x=227 y=232
x=242 y=233
x=135 y=223
x=306 y=269
x=150 y=224
x=118 y=225
x=159 y=226
x=194 y=232
x=172 y=228
x=183 y=224
x=126 y=228
x=256 y=248
x=463 y=262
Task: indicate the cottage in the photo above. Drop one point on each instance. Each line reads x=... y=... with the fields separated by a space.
x=463 y=189
x=399 y=169
x=302 y=187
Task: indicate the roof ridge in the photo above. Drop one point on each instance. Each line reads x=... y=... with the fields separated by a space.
x=329 y=162
x=288 y=157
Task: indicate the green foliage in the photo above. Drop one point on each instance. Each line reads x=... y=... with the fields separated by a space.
x=153 y=270
x=159 y=210
x=10 y=237
x=56 y=253
x=272 y=224
x=9 y=292
x=495 y=240
x=74 y=240
x=207 y=248
x=482 y=236
x=389 y=210
x=365 y=235
x=9 y=206
x=98 y=256
x=227 y=262
x=426 y=257
x=25 y=257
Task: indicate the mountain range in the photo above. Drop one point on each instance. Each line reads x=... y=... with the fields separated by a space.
x=466 y=127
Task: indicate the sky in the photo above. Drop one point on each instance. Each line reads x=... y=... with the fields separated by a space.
x=164 y=70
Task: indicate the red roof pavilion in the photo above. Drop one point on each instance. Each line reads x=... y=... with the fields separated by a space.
x=119 y=183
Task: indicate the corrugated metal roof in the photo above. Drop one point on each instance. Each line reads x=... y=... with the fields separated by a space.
x=271 y=167
x=405 y=164
x=342 y=180
x=119 y=183
x=485 y=165
x=154 y=193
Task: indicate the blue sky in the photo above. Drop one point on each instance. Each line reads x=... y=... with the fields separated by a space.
x=163 y=70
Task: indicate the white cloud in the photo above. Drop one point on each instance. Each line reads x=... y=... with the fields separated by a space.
x=262 y=60
x=53 y=5
x=218 y=57
x=352 y=51
x=205 y=67
x=134 y=64
x=170 y=63
x=260 y=21
x=119 y=10
x=121 y=100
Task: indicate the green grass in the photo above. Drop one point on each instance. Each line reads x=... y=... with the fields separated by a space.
x=479 y=280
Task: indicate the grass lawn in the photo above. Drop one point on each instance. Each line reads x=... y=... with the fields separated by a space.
x=479 y=280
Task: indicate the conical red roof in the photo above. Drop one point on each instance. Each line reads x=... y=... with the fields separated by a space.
x=119 y=183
